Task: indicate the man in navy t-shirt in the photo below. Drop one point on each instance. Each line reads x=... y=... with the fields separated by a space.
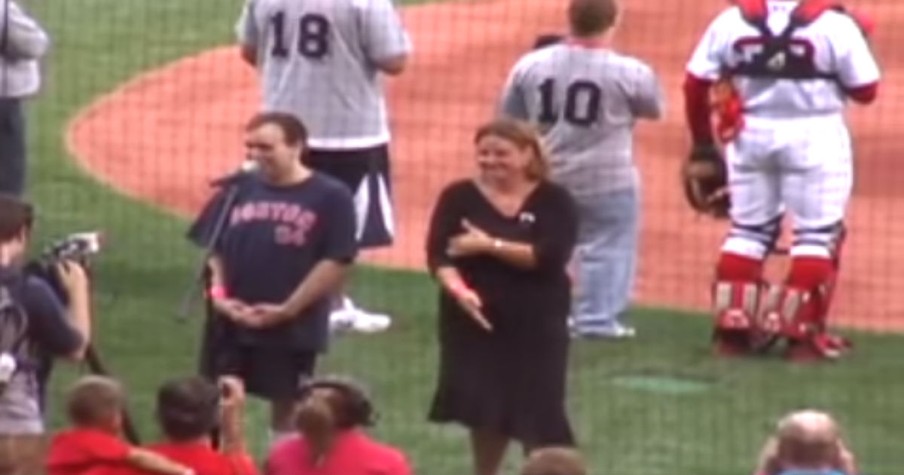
x=287 y=243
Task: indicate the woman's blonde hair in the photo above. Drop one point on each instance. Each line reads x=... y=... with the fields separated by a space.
x=523 y=135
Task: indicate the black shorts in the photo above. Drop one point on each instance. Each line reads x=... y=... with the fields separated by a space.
x=366 y=172
x=271 y=374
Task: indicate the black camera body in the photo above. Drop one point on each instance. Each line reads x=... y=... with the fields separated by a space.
x=78 y=247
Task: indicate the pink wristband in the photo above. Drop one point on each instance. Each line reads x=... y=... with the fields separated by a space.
x=217 y=292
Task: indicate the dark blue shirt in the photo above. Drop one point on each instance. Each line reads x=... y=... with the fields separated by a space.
x=273 y=237
x=48 y=334
x=48 y=327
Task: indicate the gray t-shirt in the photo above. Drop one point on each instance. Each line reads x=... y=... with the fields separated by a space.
x=26 y=43
x=585 y=101
x=317 y=59
x=47 y=329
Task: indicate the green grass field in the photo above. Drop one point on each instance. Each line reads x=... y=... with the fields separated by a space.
x=623 y=430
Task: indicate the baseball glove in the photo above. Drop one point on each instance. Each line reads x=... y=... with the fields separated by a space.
x=705 y=180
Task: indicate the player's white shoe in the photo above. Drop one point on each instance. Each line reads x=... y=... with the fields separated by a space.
x=351 y=318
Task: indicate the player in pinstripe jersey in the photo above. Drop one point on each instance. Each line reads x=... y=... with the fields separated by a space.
x=322 y=60
x=585 y=98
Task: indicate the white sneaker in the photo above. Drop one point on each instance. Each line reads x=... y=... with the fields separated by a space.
x=351 y=318
x=617 y=331
x=341 y=320
x=367 y=322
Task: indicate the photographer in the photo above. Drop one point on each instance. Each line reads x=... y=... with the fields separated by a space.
x=188 y=411
x=32 y=319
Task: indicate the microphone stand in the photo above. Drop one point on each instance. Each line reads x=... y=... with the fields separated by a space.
x=201 y=274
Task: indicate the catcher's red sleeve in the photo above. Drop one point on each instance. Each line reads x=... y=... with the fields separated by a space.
x=697 y=109
x=864 y=94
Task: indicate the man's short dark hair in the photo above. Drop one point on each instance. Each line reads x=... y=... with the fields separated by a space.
x=294 y=131
x=16 y=216
x=187 y=408
x=592 y=17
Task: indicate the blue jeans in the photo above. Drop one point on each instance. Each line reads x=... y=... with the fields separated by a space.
x=606 y=258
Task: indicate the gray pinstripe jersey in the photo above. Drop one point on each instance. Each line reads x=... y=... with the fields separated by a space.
x=316 y=59
x=585 y=102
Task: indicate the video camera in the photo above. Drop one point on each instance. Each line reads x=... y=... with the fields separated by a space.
x=77 y=247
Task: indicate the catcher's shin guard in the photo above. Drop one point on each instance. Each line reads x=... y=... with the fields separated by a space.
x=735 y=305
x=800 y=308
x=736 y=296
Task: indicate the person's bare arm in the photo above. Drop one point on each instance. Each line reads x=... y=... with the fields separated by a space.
x=232 y=416
x=75 y=281
x=217 y=275
x=553 y=237
x=518 y=254
x=394 y=65
x=248 y=54
x=324 y=279
x=385 y=40
x=152 y=462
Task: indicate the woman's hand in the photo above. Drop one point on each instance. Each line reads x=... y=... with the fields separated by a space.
x=471 y=303
x=473 y=241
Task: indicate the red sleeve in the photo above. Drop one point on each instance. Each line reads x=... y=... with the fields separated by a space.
x=864 y=94
x=105 y=448
x=400 y=465
x=697 y=109
x=241 y=464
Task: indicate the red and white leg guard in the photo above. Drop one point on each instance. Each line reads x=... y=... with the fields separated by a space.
x=735 y=296
x=800 y=307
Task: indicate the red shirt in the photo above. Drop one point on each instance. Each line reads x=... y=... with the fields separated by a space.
x=354 y=453
x=204 y=460
x=87 y=452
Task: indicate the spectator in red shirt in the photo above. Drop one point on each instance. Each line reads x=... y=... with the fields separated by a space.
x=93 y=446
x=806 y=442
x=189 y=410
x=330 y=419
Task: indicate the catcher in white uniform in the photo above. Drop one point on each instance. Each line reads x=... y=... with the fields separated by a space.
x=777 y=75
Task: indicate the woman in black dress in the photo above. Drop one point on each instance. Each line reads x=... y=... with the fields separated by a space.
x=499 y=245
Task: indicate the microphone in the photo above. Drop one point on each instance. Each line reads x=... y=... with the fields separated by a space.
x=248 y=167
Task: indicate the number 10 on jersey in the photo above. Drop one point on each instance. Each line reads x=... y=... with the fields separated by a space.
x=580 y=104
x=313 y=36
